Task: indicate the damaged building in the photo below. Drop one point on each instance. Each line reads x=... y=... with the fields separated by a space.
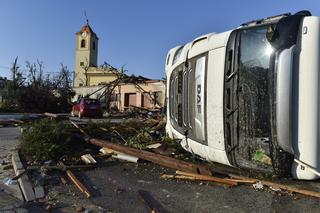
x=116 y=90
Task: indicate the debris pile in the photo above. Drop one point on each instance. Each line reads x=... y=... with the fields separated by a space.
x=62 y=149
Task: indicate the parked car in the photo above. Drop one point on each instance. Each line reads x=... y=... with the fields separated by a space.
x=87 y=107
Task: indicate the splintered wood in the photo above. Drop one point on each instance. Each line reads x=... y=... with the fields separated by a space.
x=88 y=159
x=77 y=182
x=191 y=176
x=153 y=157
x=190 y=171
x=280 y=186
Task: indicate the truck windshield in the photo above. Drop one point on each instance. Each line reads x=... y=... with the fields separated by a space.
x=254 y=115
x=255 y=50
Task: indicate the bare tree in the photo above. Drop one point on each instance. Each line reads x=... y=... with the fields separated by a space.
x=63 y=79
x=35 y=73
x=17 y=76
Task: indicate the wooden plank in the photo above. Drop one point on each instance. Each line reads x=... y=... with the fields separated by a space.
x=183 y=177
x=76 y=181
x=154 y=158
x=51 y=115
x=78 y=127
x=280 y=186
x=56 y=116
x=208 y=178
x=79 y=185
x=88 y=159
x=118 y=155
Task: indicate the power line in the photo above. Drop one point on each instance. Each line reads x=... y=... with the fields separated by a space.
x=45 y=72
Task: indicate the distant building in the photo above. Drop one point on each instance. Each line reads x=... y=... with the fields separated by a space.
x=148 y=95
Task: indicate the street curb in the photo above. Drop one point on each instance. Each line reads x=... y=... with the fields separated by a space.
x=23 y=181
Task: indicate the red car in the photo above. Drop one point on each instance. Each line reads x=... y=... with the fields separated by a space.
x=87 y=107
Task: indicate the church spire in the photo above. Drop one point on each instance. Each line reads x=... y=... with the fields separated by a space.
x=85 y=15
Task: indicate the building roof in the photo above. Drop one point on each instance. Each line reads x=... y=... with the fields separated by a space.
x=88 y=29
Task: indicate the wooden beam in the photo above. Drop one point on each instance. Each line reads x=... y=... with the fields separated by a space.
x=56 y=116
x=78 y=127
x=154 y=158
x=76 y=181
x=280 y=186
x=208 y=178
x=51 y=115
x=183 y=177
x=79 y=185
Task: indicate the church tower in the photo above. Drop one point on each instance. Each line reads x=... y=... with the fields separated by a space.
x=86 y=54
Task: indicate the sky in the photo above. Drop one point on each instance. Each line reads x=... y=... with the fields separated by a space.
x=136 y=34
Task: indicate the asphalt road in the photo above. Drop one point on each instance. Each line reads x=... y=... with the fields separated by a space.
x=115 y=189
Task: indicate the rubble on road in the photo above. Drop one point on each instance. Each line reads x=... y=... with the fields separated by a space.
x=136 y=140
x=77 y=182
x=88 y=159
x=118 y=155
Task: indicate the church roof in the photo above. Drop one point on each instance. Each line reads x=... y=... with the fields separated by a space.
x=88 y=29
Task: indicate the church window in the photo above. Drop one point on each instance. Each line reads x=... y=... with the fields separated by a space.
x=81 y=63
x=94 y=45
x=83 y=43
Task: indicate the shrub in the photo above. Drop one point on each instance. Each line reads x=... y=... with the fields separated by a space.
x=46 y=140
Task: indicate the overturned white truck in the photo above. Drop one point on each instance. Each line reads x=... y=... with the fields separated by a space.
x=249 y=97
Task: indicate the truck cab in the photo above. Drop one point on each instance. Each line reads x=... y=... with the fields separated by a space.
x=249 y=97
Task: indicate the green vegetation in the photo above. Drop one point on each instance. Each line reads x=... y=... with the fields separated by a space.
x=261 y=157
x=50 y=140
x=140 y=140
x=47 y=140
